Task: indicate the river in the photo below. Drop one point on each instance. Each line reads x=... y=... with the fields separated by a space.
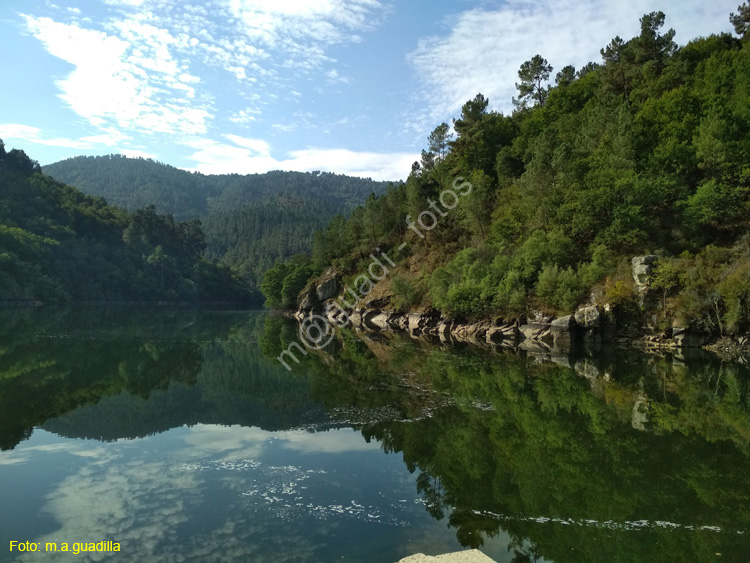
x=178 y=436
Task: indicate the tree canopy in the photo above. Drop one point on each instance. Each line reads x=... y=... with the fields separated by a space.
x=644 y=152
x=57 y=244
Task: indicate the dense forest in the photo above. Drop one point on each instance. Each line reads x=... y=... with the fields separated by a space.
x=644 y=152
x=57 y=245
x=250 y=221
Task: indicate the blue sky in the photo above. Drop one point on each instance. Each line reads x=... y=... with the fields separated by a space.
x=349 y=86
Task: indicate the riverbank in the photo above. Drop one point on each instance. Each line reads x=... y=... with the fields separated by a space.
x=591 y=325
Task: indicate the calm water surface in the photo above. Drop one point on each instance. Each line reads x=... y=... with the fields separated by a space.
x=178 y=435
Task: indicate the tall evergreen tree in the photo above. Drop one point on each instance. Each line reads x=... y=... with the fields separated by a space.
x=534 y=74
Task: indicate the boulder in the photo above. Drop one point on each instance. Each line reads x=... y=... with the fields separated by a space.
x=376 y=320
x=536 y=331
x=418 y=323
x=413 y=321
x=539 y=317
x=328 y=287
x=592 y=337
x=479 y=330
x=509 y=331
x=431 y=318
x=586 y=368
x=444 y=327
x=475 y=333
x=504 y=333
x=639 y=416
x=357 y=317
x=641 y=267
x=564 y=324
x=565 y=330
x=588 y=317
x=556 y=357
x=309 y=300
x=537 y=349
x=394 y=320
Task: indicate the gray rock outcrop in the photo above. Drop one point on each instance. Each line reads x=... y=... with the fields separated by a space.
x=588 y=317
x=641 y=267
x=328 y=287
x=564 y=330
x=536 y=331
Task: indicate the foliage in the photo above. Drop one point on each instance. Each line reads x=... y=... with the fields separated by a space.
x=406 y=293
x=283 y=282
x=714 y=288
x=533 y=74
x=559 y=289
x=57 y=244
x=648 y=149
x=249 y=221
x=515 y=429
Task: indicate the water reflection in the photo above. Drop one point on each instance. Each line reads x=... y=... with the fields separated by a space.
x=614 y=457
x=635 y=457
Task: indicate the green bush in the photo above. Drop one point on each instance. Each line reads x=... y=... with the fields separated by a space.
x=560 y=289
x=406 y=294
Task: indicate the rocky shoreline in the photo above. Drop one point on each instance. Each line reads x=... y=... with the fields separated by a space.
x=590 y=326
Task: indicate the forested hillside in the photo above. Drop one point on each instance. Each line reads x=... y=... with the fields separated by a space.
x=644 y=152
x=57 y=244
x=250 y=221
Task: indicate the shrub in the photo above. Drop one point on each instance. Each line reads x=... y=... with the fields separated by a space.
x=406 y=294
x=560 y=289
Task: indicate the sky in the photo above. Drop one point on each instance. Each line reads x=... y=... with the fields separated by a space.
x=244 y=86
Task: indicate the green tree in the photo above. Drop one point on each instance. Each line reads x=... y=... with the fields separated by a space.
x=439 y=140
x=565 y=76
x=534 y=74
x=618 y=59
x=666 y=279
x=471 y=113
x=273 y=283
x=741 y=21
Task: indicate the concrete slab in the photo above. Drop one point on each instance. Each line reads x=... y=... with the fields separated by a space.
x=468 y=556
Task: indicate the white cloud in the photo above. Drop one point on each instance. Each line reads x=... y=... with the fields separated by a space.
x=34 y=135
x=245 y=116
x=138 y=153
x=131 y=82
x=325 y=21
x=284 y=127
x=485 y=47
x=378 y=166
x=133 y=3
x=227 y=442
x=334 y=77
x=109 y=138
x=247 y=156
x=141 y=495
x=149 y=67
x=256 y=146
x=326 y=442
x=231 y=443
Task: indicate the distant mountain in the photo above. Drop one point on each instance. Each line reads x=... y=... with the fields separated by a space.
x=250 y=221
x=134 y=183
x=58 y=244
